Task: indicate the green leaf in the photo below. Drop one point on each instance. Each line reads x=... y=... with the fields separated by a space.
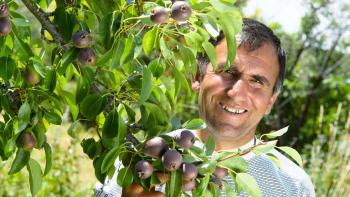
x=147 y=83
x=222 y=6
x=210 y=146
x=98 y=102
x=7 y=67
x=122 y=130
x=174 y=186
x=52 y=117
x=125 y=177
x=207 y=167
x=149 y=40
x=237 y=164
x=110 y=126
x=210 y=50
x=109 y=159
x=68 y=57
x=275 y=134
x=275 y=159
x=20 y=22
x=50 y=79
x=21 y=159
x=72 y=129
x=229 y=191
x=48 y=156
x=164 y=49
x=39 y=131
x=214 y=189
x=264 y=148
x=23 y=116
x=248 y=184
x=202 y=186
x=35 y=176
x=83 y=87
x=292 y=153
x=196 y=123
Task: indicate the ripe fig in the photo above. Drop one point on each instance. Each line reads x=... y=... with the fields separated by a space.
x=159 y=15
x=4 y=9
x=26 y=141
x=82 y=39
x=132 y=189
x=143 y=169
x=172 y=160
x=188 y=185
x=5 y=26
x=181 y=11
x=87 y=57
x=155 y=147
x=189 y=171
x=220 y=173
x=31 y=76
x=185 y=139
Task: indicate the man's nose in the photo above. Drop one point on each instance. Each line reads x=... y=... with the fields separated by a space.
x=238 y=90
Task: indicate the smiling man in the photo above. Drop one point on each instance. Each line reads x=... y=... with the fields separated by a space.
x=233 y=101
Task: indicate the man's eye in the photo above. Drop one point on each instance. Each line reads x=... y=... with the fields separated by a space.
x=257 y=81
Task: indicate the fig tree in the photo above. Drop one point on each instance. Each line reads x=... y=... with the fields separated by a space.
x=181 y=11
x=155 y=147
x=220 y=173
x=172 y=160
x=4 y=9
x=5 y=26
x=189 y=171
x=143 y=169
x=26 y=141
x=188 y=185
x=82 y=39
x=185 y=139
x=159 y=15
x=87 y=57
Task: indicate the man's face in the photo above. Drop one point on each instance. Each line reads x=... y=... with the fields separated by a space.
x=233 y=102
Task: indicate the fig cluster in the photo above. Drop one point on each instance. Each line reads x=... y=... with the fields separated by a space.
x=171 y=159
x=179 y=11
x=5 y=24
x=82 y=40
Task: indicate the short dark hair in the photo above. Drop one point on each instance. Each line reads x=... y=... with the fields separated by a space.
x=253 y=35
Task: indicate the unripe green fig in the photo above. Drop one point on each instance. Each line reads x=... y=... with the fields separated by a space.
x=181 y=11
x=82 y=39
x=185 y=139
x=4 y=9
x=188 y=185
x=31 y=76
x=143 y=169
x=5 y=26
x=155 y=147
x=87 y=57
x=159 y=15
x=189 y=171
x=172 y=160
x=26 y=141
x=220 y=173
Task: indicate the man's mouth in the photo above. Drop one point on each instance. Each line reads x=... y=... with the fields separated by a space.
x=233 y=109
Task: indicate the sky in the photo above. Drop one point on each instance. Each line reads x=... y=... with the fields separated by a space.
x=286 y=12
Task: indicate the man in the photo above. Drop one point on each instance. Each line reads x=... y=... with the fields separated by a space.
x=233 y=101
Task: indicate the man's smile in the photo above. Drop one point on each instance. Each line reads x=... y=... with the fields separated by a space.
x=235 y=110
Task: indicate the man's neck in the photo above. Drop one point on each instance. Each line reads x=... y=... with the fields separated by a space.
x=225 y=144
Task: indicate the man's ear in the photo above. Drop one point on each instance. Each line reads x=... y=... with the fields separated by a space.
x=196 y=80
x=271 y=102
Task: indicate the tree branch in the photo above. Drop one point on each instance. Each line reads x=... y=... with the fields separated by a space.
x=45 y=22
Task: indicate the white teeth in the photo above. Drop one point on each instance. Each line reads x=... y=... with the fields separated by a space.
x=236 y=111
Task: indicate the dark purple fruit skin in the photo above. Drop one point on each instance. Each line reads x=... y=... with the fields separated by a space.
x=4 y=9
x=220 y=173
x=81 y=39
x=217 y=182
x=181 y=11
x=189 y=171
x=159 y=15
x=143 y=169
x=172 y=160
x=87 y=57
x=26 y=141
x=185 y=139
x=188 y=185
x=5 y=26
x=155 y=147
